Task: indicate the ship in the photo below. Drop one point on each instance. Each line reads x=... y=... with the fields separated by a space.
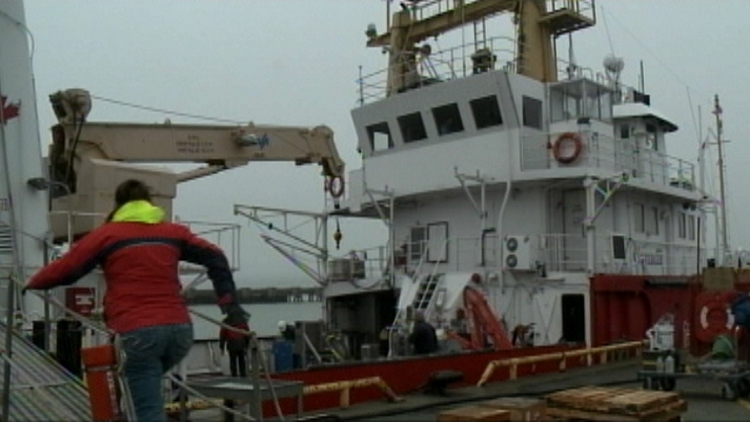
x=531 y=207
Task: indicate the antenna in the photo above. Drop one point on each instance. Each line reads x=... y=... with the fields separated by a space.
x=613 y=67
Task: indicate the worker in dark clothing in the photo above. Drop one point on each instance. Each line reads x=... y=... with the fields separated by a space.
x=423 y=336
x=236 y=344
x=740 y=307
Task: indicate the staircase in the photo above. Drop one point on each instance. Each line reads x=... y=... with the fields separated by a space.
x=425 y=292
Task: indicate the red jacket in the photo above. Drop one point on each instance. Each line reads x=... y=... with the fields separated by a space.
x=233 y=340
x=140 y=263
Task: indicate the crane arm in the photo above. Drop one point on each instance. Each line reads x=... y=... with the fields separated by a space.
x=223 y=146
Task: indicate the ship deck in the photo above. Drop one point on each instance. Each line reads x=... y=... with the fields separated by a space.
x=704 y=398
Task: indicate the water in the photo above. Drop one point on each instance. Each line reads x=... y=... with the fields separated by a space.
x=263 y=320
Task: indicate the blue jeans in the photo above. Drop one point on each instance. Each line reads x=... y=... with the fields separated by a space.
x=149 y=353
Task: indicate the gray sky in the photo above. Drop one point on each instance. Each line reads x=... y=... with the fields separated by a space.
x=295 y=62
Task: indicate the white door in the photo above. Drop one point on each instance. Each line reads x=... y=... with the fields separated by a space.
x=574 y=239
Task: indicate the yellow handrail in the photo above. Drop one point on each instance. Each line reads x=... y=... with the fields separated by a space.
x=561 y=356
x=345 y=388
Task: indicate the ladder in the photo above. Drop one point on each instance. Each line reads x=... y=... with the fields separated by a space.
x=480 y=35
x=425 y=292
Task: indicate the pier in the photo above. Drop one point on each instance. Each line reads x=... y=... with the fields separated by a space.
x=262 y=295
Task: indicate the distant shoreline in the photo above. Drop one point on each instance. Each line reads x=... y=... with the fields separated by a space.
x=258 y=296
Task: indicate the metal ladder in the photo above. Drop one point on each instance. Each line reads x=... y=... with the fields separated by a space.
x=425 y=292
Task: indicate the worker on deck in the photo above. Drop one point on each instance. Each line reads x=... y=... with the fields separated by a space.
x=423 y=337
x=235 y=343
x=139 y=252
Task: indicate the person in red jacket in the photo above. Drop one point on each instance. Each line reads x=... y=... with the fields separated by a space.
x=236 y=344
x=139 y=253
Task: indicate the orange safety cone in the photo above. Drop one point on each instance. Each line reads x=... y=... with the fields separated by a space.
x=100 y=367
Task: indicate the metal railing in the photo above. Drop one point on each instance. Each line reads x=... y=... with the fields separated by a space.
x=224 y=235
x=605 y=152
x=567 y=253
x=442 y=65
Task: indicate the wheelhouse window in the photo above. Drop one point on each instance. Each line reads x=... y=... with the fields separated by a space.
x=532 y=113
x=412 y=127
x=380 y=136
x=448 y=119
x=486 y=112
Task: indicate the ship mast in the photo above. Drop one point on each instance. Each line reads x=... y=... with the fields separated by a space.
x=722 y=190
x=538 y=27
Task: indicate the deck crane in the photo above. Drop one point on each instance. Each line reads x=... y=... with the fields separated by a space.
x=88 y=159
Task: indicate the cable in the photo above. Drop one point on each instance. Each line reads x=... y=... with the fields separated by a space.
x=161 y=110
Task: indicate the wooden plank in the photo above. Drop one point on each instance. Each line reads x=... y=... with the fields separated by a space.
x=474 y=413
x=640 y=401
x=623 y=401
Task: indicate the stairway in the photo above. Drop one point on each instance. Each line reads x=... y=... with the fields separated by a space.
x=425 y=292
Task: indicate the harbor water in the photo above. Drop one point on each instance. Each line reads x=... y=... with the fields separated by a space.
x=264 y=318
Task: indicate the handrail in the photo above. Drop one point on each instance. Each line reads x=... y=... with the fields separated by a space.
x=513 y=363
x=345 y=387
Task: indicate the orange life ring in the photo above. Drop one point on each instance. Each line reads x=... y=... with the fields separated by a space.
x=713 y=318
x=565 y=138
x=335 y=186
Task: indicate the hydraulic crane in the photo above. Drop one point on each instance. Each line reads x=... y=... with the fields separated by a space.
x=88 y=159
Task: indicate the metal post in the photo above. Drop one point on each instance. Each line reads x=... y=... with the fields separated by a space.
x=392 y=242
x=724 y=241
x=590 y=186
x=257 y=407
x=8 y=350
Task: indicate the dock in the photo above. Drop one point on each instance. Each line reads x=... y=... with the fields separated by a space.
x=267 y=295
x=704 y=401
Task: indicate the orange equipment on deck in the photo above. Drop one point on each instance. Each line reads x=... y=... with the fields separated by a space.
x=100 y=366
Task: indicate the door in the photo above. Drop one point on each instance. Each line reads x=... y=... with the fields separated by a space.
x=574 y=318
x=574 y=235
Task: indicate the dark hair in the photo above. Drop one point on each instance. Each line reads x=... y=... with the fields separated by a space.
x=129 y=190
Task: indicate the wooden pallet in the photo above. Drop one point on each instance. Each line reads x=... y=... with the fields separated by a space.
x=615 y=404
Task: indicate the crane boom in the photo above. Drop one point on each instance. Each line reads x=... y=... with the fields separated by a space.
x=89 y=158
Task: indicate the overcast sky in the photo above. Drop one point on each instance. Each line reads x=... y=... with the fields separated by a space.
x=296 y=63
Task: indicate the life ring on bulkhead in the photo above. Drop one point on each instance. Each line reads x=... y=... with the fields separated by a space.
x=562 y=140
x=335 y=186
x=713 y=316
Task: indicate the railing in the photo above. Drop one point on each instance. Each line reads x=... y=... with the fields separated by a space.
x=438 y=66
x=224 y=235
x=569 y=253
x=562 y=357
x=605 y=152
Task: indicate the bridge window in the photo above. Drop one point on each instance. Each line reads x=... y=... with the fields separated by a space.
x=486 y=112
x=532 y=113
x=412 y=127
x=691 y=227
x=447 y=119
x=380 y=136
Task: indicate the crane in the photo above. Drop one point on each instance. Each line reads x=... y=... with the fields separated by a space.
x=88 y=159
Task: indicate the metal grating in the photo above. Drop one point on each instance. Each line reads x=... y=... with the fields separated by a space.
x=41 y=389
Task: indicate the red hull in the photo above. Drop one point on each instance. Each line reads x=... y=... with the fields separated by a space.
x=623 y=307
x=407 y=375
